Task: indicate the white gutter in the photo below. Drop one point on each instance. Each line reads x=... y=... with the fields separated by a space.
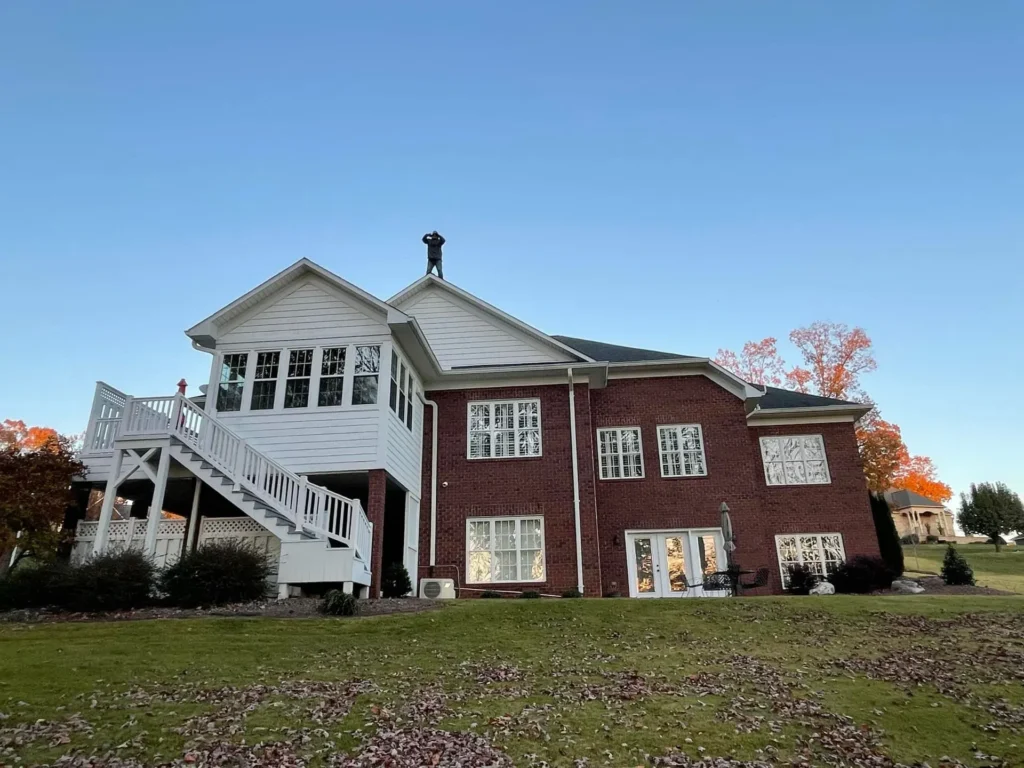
x=575 y=484
x=433 y=480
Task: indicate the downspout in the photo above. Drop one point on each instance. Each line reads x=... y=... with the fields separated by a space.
x=433 y=479
x=575 y=484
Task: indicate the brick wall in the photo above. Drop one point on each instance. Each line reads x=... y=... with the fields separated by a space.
x=608 y=508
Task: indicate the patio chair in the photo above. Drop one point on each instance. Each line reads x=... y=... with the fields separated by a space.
x=760 y=580
x=720 y=581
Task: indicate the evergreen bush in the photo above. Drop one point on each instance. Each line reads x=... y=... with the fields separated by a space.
x=118 y=581
x=395 y=582
x=955 y=569
x=217 y=573
x=490 y=594
x=529 y=595
x=338 y=603
x=885 y=529
x=801 y=580
x=862 y=574
x=573 y=592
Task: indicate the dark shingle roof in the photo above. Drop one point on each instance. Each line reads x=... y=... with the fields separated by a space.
x=613 y=353
x=900 y=499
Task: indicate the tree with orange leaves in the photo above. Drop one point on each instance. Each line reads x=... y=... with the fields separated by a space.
x=918 y=474
x=835 y=355
x=15 y=434
x=758 y=362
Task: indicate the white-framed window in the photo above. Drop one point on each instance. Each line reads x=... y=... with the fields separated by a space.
x=682 y=450
x=300 y=371
x=264 y=381
x=232 y=381
x=503 y=429
x=822 y=553
x=504 y=549
x=620 y=454
x=332 y=376
x=412 y=399
x=795 y=460
x=393 y=397
x=366 y=375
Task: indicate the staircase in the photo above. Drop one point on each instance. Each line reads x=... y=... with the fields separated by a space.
x=285 y=503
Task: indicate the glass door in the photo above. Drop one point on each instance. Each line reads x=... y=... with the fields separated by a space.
x=672 y=563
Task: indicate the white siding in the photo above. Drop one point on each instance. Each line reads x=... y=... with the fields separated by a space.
x=307 y=313
x=330 y=441
x=404 y=457
x=461 y=334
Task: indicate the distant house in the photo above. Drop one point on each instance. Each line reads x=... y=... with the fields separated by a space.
x=914 y=513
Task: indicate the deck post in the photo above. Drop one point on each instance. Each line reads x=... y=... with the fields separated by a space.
x=107 y=509
x=193 y=518
x=156 y=508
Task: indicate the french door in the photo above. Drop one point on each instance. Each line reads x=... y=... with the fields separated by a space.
x=673 y=563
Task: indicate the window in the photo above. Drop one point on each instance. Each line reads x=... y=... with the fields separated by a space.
x=619 y=453
x=332 y=376
x=264 y=384
x=408 y=411
x=296 y=387
x=794 y=460
x=505 y=549
x=364 y=383
x=504 y=429
x=232 y=382
x=393 y=399
x=402 y=393
x=682 y=450
x=822 y=553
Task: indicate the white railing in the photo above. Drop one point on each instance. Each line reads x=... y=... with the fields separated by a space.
x=306 y=505
x=105 y=419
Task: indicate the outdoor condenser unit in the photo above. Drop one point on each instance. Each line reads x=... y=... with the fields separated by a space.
x=437 y=589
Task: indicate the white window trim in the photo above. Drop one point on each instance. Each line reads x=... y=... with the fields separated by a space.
x=764 y=461
x=661 y=453
x=783 y=571
x=518 y=519
x=412 y=382
x=619 y=431
x=510 y=401
x=314 y=379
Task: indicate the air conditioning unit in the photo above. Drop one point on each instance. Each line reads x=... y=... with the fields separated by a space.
x=437 y=589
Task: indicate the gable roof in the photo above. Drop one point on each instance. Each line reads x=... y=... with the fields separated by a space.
x=775 y=397
x=614 y=353
x=204 y=332
x=899 y=499
x=406 y=295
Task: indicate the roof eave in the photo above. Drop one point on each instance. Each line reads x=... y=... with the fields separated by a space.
x=854 y=410
x=597 y=373
x=742 y=389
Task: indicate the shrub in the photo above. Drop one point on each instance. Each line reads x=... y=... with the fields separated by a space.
x=932 y=539
x=117 y=581
x=490 y=594
x=338 y=603
x=395 y=582
x=217 y=573
x=529 y=595
x=35 y=586
x=572 y=593
x=862 y=574
x=910 y=538
x=613 y=593
x=802 y=580
x=955 y=569
x=885 y=530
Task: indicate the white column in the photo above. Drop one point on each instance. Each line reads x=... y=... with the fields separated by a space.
x=155 y=509
x=107 y=509
x=193 y=518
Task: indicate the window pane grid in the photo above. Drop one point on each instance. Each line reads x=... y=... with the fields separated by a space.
x=682 y=451
x=232 y=382
x=795 y=460
x=264 y=387
x=365 y=378
x=332 y=376
x=506 y=429
x=296 y=387
x=620 y=453
x=505 y=549
x=822 y=553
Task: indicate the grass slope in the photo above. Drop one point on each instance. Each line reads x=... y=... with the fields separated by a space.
x=535 y=682
x=999 y=570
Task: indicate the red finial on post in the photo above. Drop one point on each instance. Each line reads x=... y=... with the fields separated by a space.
x=181 y=386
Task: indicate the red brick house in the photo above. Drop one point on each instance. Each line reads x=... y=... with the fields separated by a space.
x=344 y=432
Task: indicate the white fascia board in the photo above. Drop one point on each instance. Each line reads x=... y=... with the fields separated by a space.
x=427 y=280
x=687 y=366
x=808 y=414
x=520 y=375
x=205 y=331
x=408 y=333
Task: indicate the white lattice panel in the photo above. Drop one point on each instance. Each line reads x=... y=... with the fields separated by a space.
x=131 y=534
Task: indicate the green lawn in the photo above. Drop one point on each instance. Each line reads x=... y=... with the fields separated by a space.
x=530 y=682
x=1002 y=570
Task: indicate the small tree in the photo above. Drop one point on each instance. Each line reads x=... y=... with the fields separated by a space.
x=888 y=539
x=955 y=569
x=396 y=581
x=991 y=509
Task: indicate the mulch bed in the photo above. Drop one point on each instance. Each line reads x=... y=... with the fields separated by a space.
x=934 y=585
x=292 y=608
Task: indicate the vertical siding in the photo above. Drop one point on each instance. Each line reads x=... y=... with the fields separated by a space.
x=460 y=335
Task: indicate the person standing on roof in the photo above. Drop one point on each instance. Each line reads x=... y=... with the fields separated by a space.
x=434 y=242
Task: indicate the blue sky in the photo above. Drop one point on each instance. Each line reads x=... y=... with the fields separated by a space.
x=682 y=176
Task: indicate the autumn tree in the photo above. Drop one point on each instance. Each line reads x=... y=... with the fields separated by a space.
x=918 y=474
x=758 y=362
x=36 y=469
x=882 y=451
x=991 y=509
x=835 y=355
